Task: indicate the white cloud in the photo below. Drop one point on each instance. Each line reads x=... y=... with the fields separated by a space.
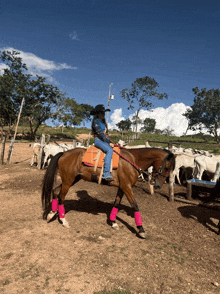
x=116 y=117
x=2 y=67
x=170 y=117
x=37 y=65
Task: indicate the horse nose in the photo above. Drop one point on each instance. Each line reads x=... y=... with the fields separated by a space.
x=157 y=185
x=152 y=182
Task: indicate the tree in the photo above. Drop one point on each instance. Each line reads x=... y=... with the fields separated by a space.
x=149 y=125
x=205 y=112
x=168 y=131
x=124 y=125
x=141 y=94
x=42 y=100
x=135 y=122
x=72 y=113
x=12 y=85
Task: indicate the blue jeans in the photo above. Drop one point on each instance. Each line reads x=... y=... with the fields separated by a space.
x=107 y=149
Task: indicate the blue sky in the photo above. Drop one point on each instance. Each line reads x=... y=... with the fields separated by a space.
x=83 y=46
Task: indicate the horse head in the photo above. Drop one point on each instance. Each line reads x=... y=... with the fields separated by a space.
x=162 y=169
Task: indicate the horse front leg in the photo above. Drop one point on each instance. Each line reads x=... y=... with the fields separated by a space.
x=114 y=211
x=137 y=216
x=138 y=220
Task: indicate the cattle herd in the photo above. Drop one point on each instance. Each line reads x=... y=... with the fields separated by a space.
x=193 y=163
x=48 y=151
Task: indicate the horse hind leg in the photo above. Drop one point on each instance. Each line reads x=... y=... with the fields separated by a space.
x=114 y=211
x=64 y=189
x=54 y=206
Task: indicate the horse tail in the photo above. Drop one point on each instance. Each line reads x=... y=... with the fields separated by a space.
x=48 y=181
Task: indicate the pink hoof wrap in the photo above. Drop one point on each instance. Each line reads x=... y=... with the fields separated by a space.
x=113 y=214
x=138 y=219
x=54 y=205
x=61 y=211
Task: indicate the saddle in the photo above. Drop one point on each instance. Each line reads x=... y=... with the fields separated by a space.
x=95 y=157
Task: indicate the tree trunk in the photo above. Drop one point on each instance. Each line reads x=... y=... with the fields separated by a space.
x=216 y=132
x=2 y=130
x=31 y=126
x=35 y=131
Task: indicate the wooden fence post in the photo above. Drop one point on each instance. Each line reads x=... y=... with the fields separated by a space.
x=3 y=150
x=10 y=150
x=13 y=140
x=74 y=143
x=88 y=139
x=42 y=143
x=48 y=139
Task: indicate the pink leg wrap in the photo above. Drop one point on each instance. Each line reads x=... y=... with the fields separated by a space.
x=54 y=205
x=113 y=214
x=61 y=211
x=138 y=219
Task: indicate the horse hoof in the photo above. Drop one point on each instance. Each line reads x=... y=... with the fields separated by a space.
x=51 y=215
x=115 y=226
x=65 y=223
x=142 y=235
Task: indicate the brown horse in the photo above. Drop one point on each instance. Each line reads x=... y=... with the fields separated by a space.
x=72 y=169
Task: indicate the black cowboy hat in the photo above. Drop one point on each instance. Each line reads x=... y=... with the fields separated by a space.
x=99 y=108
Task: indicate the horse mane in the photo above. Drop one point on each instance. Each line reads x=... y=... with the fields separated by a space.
x=170 y=157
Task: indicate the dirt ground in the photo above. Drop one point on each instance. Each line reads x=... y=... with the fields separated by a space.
x=180 y=255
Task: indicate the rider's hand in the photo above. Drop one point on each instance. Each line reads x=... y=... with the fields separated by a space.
x=112 y=145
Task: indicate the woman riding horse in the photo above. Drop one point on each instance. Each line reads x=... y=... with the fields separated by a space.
x=102 y=140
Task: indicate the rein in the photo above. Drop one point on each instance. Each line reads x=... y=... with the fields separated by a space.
x=134 y=165
x=126 y=159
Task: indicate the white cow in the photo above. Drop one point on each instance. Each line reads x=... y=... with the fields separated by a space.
x=52 y=150
x=205 y=163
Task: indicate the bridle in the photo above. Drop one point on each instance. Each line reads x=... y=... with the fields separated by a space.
x=159 y=172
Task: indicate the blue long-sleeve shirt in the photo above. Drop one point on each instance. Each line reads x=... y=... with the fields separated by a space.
x=99 y=130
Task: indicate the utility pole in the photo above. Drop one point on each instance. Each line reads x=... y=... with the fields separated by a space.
x=110 y=97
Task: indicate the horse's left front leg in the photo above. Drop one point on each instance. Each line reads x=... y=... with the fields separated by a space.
x=137 y=216
x=138 y=220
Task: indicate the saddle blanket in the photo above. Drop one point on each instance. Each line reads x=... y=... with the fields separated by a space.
x=93 y=154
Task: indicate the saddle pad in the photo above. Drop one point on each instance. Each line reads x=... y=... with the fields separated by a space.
x=91 y=156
